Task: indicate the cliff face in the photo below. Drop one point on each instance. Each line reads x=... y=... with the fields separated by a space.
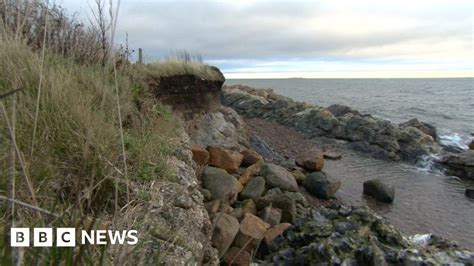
x=178 y=226
x=377 y=137
x=188 y=93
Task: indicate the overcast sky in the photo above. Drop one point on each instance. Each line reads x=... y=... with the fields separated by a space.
x=343 y=38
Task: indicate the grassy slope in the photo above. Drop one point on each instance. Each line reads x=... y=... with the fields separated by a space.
x=77 y=156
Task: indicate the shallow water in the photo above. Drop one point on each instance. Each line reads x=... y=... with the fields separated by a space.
x=425 y=202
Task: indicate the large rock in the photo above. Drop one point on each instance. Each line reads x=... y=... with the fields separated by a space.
x=461 y=164
x=236 y=256
x=424 y=127
x=271 y=215
x=253 y=189
x=250 y=157
x=275 y=231
x=312 y=160
x=379 y=190
x=250 y=172
x=280 y=201
x=471 y=145
x=223 y=128
x=248 y=206
x=277 y=176
x=222 y=185
x=251 y=232
x=225 y=159
x=226 y=228
x=200 y=155
x=320 y=185
x=340 y=110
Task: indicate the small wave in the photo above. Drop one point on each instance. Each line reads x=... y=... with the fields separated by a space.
x=428 y=163
x=455 y=140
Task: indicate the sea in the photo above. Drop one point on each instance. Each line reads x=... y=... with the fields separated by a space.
x=426 y=200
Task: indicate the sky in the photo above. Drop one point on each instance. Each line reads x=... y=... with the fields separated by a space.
x=309 y=39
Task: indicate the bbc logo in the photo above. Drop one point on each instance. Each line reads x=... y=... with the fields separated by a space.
x=66 y=237
x=43 y=237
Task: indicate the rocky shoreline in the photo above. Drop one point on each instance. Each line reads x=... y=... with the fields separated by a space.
x=268 y=208
x=410 y=141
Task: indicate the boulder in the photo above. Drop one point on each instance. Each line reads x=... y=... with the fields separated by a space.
x=332 y=155
x=237 y=213
x=320 y=185
x=273 y=192
x=299 y=175
x=312 y=160
x=379 y=190
x=222 y=128
x=250 y=172
x=461 y=164
x=277 y=176
x=235 y=256
x=200 y=155
x=469 y=193
x=225 y=230
x=225 y=159
x=253 y=189
x=248 y=206
x=212 y=207
x=274 y=232
x=297 y=197
x=251 y=231
x=281 y=201
x=250 y=157
x=271 y=215
x=471 y=145
x=206 y=194
x=424 y=127
x=220 y=184
x=340 y=110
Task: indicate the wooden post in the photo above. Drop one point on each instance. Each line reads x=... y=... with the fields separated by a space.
x=140 y=56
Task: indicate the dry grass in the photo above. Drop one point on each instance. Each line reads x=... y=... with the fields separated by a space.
x=171 y=67
x=79 y=144
x=77 y=141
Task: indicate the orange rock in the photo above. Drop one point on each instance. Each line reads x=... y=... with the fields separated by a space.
x=312 y=160
x=251 y=232
x=275 y=231
x=249 y=207
x=225 y=159
x=200 y=155
x=250 y=157
x=234 y=257
x=250 y=172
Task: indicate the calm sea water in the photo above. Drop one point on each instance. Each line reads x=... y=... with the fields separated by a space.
x=425 y=202
x=446 y=103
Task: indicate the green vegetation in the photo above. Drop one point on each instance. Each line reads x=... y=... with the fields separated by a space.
x=82 y=138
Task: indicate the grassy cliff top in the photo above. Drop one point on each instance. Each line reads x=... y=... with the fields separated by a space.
x=173 y=67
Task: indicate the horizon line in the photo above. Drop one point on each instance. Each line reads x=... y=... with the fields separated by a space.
x=349 y=74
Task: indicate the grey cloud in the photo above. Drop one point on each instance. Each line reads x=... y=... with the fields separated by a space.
x=262 y=30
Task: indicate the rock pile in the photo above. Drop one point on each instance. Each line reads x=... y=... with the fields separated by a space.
x=377 y=137
x=341 y=235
